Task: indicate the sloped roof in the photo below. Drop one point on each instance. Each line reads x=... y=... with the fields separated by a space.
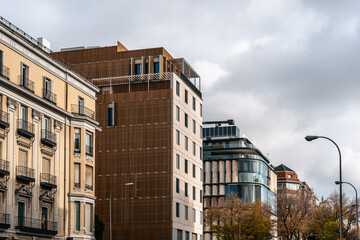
x=283 y=168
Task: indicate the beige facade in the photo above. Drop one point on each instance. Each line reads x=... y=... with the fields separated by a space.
x=47 y=136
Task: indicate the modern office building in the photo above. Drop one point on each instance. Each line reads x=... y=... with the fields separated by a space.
x=232 y=164
x=150 y=111
x=47 y=135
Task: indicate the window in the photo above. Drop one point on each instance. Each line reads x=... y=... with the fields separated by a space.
x=201 y=110
x=156 y=67
x=292 y=186
x=81 y=106
x=77 y=175
x=24 y=77
x=177 y=88
x=89 y=178
x=194 y=104
x=201 y=175
x=186 y=213
x=186 y=120
x=111 y=114
x=194 y=214
x=187 y=235
x=289 y=176
x=138 y=68
x=1 y=63
x=179 y=235
x=89 y=144
x=88 y=217
x=77 y=137
x=23 y=115
x=201 y=196
x=177 y=137
x=23 y=158
x=201 y=217
x=21 y=213
x=48 y=90
x=194 y=193
x=186 y=189
x=44 y=218
x=77 y=216
x=147 y=66
x=186 y=96
x=177 y=161
x=186 y=143
x=177 y=209
x=194 y=171
x=201 y=153
x=177 y=185
x=201 y=132
x=46 y=165
x=194 y=126
x=194 y=148
x=177 y=113
x=186 y=166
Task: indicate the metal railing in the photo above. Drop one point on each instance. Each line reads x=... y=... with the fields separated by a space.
x=25 y=171
x=90 y=187
x=36 y=223
x=47 y=178
x=25 y=125
x=77 y=184
x=89 y=150
x=5 y=71
x=26 y=83
x=4 y=165
x=4 y=218
x=47 y=135
x=49 y=95
x=4 y=117
x=82 y=111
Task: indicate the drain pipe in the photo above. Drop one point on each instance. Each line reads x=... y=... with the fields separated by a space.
x=65 y=143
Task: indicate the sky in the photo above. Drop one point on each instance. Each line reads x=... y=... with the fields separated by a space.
x=281 y=69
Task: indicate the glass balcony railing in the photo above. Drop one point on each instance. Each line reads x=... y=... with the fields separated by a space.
x=224 y=145
x=82 y=111
x=26 y=83
x=48 y=95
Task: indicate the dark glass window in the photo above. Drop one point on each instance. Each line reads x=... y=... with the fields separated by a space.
x=186 y=189
x=194 y=170
x=110 y=116
x=177 y=185
x=194 y=104
x=186 y=96
x=137 y=68
x=186 y=166
x=177 y=88
x=177 y=209
x=186 y=120
x=156 y=67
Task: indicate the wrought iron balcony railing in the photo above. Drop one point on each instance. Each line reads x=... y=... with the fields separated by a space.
x=48 y=138
x=82 y=111
x=89 y=187
x=25 y=174
x=47 y=180
x=4 y=221
x=77 y=184
x=25 y=128
x=4 y=167
x=26 y=83
x=34 y=225
x=4 y=71
x=48 y=95
x=4 y=119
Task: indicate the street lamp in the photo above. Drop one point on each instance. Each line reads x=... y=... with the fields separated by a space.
x=357 y=207
x=121 y=184
x=310 y=138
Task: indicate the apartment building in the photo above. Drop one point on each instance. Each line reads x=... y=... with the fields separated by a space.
x=232 y=164
x=149 y=151
x=47 y=139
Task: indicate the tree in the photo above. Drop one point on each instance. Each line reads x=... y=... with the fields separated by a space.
x=293 y=213
x=99 y=228
x=235 y=217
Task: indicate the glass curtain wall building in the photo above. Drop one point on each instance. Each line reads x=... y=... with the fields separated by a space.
x=232 y=164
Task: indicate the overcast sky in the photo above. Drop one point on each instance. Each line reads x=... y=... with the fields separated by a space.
x=280 y=69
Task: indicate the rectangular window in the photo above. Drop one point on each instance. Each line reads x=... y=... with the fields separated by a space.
x=186 y=120
x=24 y=78
x=177 y=113
x=187 y=235
x=46 y=166
x=179 y=235
x=177 y=209
x=194 y=193
x=156 y=67
x=194 y=214
x=194 y=126
x=186 y=166
x=201 y=110
x=23 y=115
x=77 y=175
x=21 y=213
x=194 y=149
x=23 y=158
x=89 y=144
x=88 y=217
x=186 y=189
x=201 y=175
x=146 y=66
x=77 y=137
x=111 y=114
x=201 y=218
x=201 y=153
x=177 y=161
x=177 y=185
x=89 y=178
x=177 y=88
x=194 y=171
x=44 y=218
x=186 y=143
x=81 y=106
x=194 y=104
x=177 y=137
x=201 y=132
x=201 y=196
x=186 y=96
x=138 y=68
x=1 y=63
x=186 y=213
x=77 y=216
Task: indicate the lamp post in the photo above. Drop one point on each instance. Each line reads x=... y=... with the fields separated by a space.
x=310 y=138
x=357 y=206
x=121 y=184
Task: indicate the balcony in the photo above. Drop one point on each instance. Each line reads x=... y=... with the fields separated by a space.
x=4 y=221
x=4 y=120
x=33 y=225
x=25 y=129
x=4 y=71
x=89 y=150
x=48 y=138
x=25 y=174
x=50 y=96
x=4 y=167
x=82 y=111
x=89 y=187
x=77 y=185
x=47 y=181
x=26 y=83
